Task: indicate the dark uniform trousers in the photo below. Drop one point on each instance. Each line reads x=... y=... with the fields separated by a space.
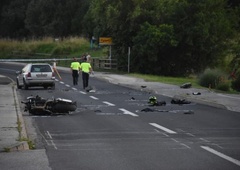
x=85 y=78
x=75 y=77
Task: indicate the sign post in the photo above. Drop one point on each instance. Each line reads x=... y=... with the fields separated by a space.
x=107 y=41
x=129 y=52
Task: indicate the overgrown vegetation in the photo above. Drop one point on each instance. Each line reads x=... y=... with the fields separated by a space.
x=166 y=37
x=31 y=144
x=215 y=79
x=47 y=47
x=168 y=80
x=67 y=48
x=236 y=84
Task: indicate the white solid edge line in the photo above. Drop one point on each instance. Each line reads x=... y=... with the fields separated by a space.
x=48 y=133
x=128 y=112
x=235 y=161
x=163 y=128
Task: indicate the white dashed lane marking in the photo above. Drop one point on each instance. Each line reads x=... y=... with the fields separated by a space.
x=95 y=98
x=162 y=128
x=128 y=112
x=109 y=104
x=228 y=158
x=82 y=92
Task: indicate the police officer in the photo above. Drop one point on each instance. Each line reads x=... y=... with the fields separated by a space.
x=86 y=70
x=75 y=68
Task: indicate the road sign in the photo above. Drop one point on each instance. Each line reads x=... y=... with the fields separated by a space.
x=105 y=41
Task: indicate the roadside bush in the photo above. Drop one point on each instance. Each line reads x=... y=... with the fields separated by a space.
x=223 y=86
x=236 y=84
x=213 y=78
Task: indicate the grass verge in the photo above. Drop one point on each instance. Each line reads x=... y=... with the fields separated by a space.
x=30 y=142
x=168 y=80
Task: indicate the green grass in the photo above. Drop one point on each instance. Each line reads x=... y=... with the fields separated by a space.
x=73 y=47
x=21 y=138
x=168 y=80
x=69 y=47
x=177 y=81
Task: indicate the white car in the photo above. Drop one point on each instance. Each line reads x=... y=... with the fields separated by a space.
x=37 y=74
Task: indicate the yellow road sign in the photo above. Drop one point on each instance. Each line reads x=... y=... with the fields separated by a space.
x=105 y=41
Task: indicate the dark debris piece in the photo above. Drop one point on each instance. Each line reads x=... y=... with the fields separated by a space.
x=153 y=110
x=196 y=93
x=180 y=101
x=147 y=110
x=88 y=89
x=189 y=112
x=161 y=103
x=186 y=85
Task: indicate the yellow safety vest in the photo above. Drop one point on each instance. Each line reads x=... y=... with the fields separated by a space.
x=85 y=67
x=75 y=65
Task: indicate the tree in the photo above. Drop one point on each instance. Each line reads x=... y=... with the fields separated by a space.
x=175 y=37
x=39 y=16
x=157 y=43
x=12 y=19
x=201 y=30
x=56 y=18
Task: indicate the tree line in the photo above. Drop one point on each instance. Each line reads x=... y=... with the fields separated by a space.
x=166 y=37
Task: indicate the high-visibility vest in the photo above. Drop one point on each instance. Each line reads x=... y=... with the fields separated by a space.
x=75 y=65
x=86 y=67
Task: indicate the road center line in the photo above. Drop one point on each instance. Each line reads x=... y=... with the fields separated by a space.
x=189 y=134
x=163 y=128
x=109 y=104
x=205 y=140
x=185 y=145
x=235 y=161
x=82 y=92
x=95 y=98
x=128 y=112
x=175 y=140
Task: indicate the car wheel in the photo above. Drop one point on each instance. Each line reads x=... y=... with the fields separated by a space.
x=25 y=86
x=18 y=86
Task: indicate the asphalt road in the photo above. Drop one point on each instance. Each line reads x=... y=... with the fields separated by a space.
x=109 y=130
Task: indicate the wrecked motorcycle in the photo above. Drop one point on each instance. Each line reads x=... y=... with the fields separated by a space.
x=39 y=105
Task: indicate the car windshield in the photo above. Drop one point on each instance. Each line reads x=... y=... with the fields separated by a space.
x=41 y=68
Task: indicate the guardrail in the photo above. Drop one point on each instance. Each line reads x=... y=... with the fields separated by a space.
x=19 y=56
x=104 y=63
x=28 y=60
x=97 y=63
